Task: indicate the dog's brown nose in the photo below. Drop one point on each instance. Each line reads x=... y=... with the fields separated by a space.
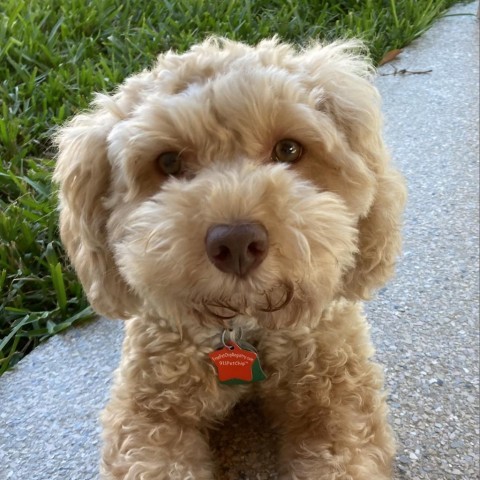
x=237 y=248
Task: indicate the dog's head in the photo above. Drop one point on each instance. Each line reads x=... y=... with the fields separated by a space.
x=232 y=179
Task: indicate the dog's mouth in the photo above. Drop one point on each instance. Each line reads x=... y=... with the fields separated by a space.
x=273 y=300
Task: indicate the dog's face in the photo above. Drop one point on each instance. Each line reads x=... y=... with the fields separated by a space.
x=232 y=180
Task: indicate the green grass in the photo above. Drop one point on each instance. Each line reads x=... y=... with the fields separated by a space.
x=55 y=53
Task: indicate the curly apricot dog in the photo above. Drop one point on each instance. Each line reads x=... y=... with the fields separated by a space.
x=236 y=204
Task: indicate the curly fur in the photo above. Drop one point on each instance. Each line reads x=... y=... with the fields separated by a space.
x=136 y=239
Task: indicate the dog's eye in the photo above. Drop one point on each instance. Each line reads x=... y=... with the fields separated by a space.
x=170 y=163
x=287 y=151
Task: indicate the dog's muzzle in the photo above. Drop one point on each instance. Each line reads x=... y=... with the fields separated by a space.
x=237 y=248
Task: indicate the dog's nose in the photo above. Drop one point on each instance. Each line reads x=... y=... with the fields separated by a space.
x=237 y=248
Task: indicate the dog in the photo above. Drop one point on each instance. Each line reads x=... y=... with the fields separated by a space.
x=236 y=204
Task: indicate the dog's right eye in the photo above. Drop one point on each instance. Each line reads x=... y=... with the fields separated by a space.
x=170 y=163
x=287 y=151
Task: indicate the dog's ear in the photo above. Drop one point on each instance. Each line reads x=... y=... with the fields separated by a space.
x=84 y=175
x=343 y=76
x=379 y=238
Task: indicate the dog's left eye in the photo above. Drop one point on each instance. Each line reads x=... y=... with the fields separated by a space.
x=287 y=151
x=170 y=163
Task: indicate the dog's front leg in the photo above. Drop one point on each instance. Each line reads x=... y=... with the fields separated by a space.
x=165 y=394
x=138 y=446
x=324 y=394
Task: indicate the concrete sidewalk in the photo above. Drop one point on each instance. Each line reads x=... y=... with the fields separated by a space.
x=424 y=324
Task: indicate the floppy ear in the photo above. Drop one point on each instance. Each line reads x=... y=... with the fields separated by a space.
x=379 y=238
x=84 y=175
x=344 y=76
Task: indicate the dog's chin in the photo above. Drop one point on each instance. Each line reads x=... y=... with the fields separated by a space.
x=251 y=304
x=270 y=303
x=282 y=306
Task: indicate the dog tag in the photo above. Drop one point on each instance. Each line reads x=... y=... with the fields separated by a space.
x=257 y=372
x=236 y=365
